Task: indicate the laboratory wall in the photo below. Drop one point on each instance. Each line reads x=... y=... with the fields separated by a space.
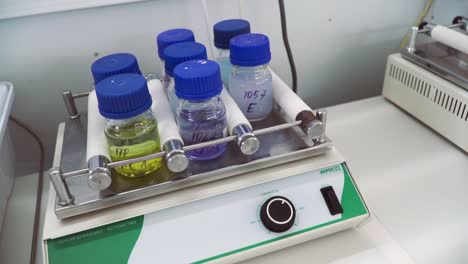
x=340 y=49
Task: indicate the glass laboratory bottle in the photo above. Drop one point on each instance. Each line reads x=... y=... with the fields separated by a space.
x=250 y=83
x=223 y=32
x=131 y=129
x=175 y=55
x=201 y=113
x=113 y=64
x=168 y=38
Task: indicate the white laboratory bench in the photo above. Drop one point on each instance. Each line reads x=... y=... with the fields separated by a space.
x=414 y=181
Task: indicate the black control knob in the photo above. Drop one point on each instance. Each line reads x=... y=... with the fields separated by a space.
x=278 y=214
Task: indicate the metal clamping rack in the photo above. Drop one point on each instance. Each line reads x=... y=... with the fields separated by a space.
x=446 y=56
x=282 y=138
x=429 y=78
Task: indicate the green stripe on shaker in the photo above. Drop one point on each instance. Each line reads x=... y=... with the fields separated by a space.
x=111 y=243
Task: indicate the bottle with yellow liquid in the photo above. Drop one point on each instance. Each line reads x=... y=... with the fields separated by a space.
x=131 y=129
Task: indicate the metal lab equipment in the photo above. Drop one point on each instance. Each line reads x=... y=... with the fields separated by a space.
x=283 y=139
x=429 y=78
x=296 y=187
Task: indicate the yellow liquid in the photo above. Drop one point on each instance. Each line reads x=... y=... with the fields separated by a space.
x=135 y=140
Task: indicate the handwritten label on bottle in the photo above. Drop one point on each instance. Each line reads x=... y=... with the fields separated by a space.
x=202 y=133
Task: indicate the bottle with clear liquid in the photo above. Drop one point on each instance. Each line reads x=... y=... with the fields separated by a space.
x=201 y=113
x=223 y=32
x=131 y=129
x=250 y=83
x=113 y=64
x=168 y=38
x=175 y=55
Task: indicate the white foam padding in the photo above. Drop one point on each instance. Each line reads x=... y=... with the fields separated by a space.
x=291 y=104
x=451 y=38
x=167 y=127
x=234 y=115
x=96 y=143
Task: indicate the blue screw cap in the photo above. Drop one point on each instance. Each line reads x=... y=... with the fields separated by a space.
x=173 y=36
x=250 y=50
x=114 y=64
x=123 y=96
x=227 y=29
x=182 y=52
x=197 y=80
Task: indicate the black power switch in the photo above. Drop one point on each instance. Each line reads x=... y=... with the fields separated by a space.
x=331 y=200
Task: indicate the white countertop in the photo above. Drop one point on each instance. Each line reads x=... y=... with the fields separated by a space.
x=414 y=181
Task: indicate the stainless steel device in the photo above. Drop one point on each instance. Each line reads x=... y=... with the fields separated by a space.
x=429 y=78
x=87 y=185
x=280 y=182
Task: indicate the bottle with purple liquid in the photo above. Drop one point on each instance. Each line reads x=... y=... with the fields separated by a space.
x=201 y=114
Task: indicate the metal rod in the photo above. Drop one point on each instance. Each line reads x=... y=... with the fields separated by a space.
x=69 y=100
x=210 y=143
x=186 y=148
x=135 y=160
x=277 y=128
x=322 y=116
x=85 y=94
x=70 y=174
x=99 y=176
x=203 y=144
x=70 y=105
x=412 y=43
x=427 y=30
x=246 y=141
x=176 y=159
x=55 y=174
x=61 y=188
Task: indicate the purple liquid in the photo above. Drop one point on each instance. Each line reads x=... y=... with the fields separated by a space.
x=196 y=126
